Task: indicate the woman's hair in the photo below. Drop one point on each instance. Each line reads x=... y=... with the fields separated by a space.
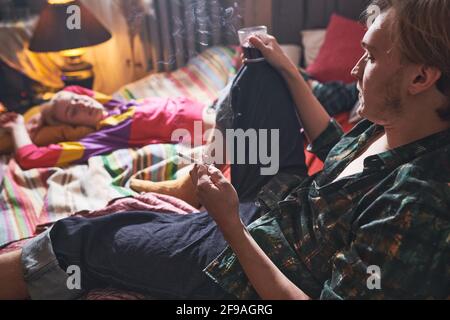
x=422 y=29
x=48 y=115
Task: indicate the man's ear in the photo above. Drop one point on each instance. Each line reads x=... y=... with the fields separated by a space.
x=425 y=78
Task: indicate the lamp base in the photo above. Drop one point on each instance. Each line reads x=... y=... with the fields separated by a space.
x=77 y=72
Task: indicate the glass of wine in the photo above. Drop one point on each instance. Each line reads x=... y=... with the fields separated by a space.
x=251 y=54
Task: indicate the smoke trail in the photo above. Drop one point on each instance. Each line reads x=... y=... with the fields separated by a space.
x=192 y=26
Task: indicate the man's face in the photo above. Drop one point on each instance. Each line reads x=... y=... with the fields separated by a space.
x=380 y=74
x=76 y=109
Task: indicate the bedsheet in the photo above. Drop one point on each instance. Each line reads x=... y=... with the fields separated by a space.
x=33 y=199
x=201 y=79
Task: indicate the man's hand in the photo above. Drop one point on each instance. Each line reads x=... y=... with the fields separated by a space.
x=217 y=195
x=11 y=121
x=273 y=53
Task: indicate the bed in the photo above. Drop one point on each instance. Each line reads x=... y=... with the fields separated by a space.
x=31 y=201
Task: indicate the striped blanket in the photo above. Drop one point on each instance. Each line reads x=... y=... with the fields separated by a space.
x=201 y=79
x=33 y=199
x=30 y=200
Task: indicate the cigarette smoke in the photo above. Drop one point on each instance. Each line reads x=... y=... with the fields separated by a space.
x=193 y=25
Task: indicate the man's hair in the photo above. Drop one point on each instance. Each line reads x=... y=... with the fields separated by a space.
x=422 y=30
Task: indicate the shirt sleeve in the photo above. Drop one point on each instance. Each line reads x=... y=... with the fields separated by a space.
x=402 y=255
x=67 y=153
x=32 y=156
x=322 y=146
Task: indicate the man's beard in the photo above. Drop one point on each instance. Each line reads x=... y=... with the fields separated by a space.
x=393 y=99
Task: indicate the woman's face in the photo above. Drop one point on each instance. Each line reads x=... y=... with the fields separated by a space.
x=77 y=110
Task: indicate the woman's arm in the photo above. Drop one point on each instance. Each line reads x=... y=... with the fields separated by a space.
x=313 y=115
x=15 y=123
x=221 y=200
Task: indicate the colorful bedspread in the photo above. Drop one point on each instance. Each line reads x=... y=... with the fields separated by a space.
x=30 y=200
x=201 y=79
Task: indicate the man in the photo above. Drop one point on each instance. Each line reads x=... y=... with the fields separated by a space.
x=374 y=224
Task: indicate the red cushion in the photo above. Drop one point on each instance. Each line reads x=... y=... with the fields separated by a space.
x=340 y=51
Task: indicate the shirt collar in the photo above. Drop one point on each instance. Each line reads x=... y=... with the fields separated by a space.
x=394 y=158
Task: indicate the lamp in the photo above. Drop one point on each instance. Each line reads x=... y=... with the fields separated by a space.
x=54 y=34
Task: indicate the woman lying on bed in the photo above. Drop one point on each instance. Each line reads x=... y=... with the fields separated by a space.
x=110 y=126
x=78 y=124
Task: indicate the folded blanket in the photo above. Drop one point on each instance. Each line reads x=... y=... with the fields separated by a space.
x=145 y=202
x=151 y=202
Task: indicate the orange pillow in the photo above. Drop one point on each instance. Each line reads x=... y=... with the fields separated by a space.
x=46 y=135
x=53 y=134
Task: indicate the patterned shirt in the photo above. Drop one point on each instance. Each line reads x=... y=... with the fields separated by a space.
x=328 y=237
x=335 y=96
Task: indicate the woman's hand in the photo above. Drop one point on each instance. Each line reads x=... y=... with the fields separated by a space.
x=34 y=125
x=273 y=53
x=11 y=121
x=15 y=124
x=217 y=195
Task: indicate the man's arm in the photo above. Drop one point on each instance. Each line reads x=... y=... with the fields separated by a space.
x=269 y=282
x=222 y=203
x=313 y=116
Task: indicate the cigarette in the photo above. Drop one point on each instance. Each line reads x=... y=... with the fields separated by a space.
x=192 y=159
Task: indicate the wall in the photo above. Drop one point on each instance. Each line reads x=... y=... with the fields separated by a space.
x=258 y=12
x=292 y=16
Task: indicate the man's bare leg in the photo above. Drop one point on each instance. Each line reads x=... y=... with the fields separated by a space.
x=12 y=283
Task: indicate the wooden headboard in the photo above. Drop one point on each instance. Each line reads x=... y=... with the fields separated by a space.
x=286 y=18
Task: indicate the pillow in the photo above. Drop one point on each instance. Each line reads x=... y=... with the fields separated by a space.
x=312 y=41
x=293 y=51
x=340 y=51
x=46 y=135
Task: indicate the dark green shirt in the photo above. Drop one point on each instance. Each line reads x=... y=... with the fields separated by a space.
x=329 y=237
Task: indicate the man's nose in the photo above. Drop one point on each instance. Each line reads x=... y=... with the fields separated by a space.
x=358 y=69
